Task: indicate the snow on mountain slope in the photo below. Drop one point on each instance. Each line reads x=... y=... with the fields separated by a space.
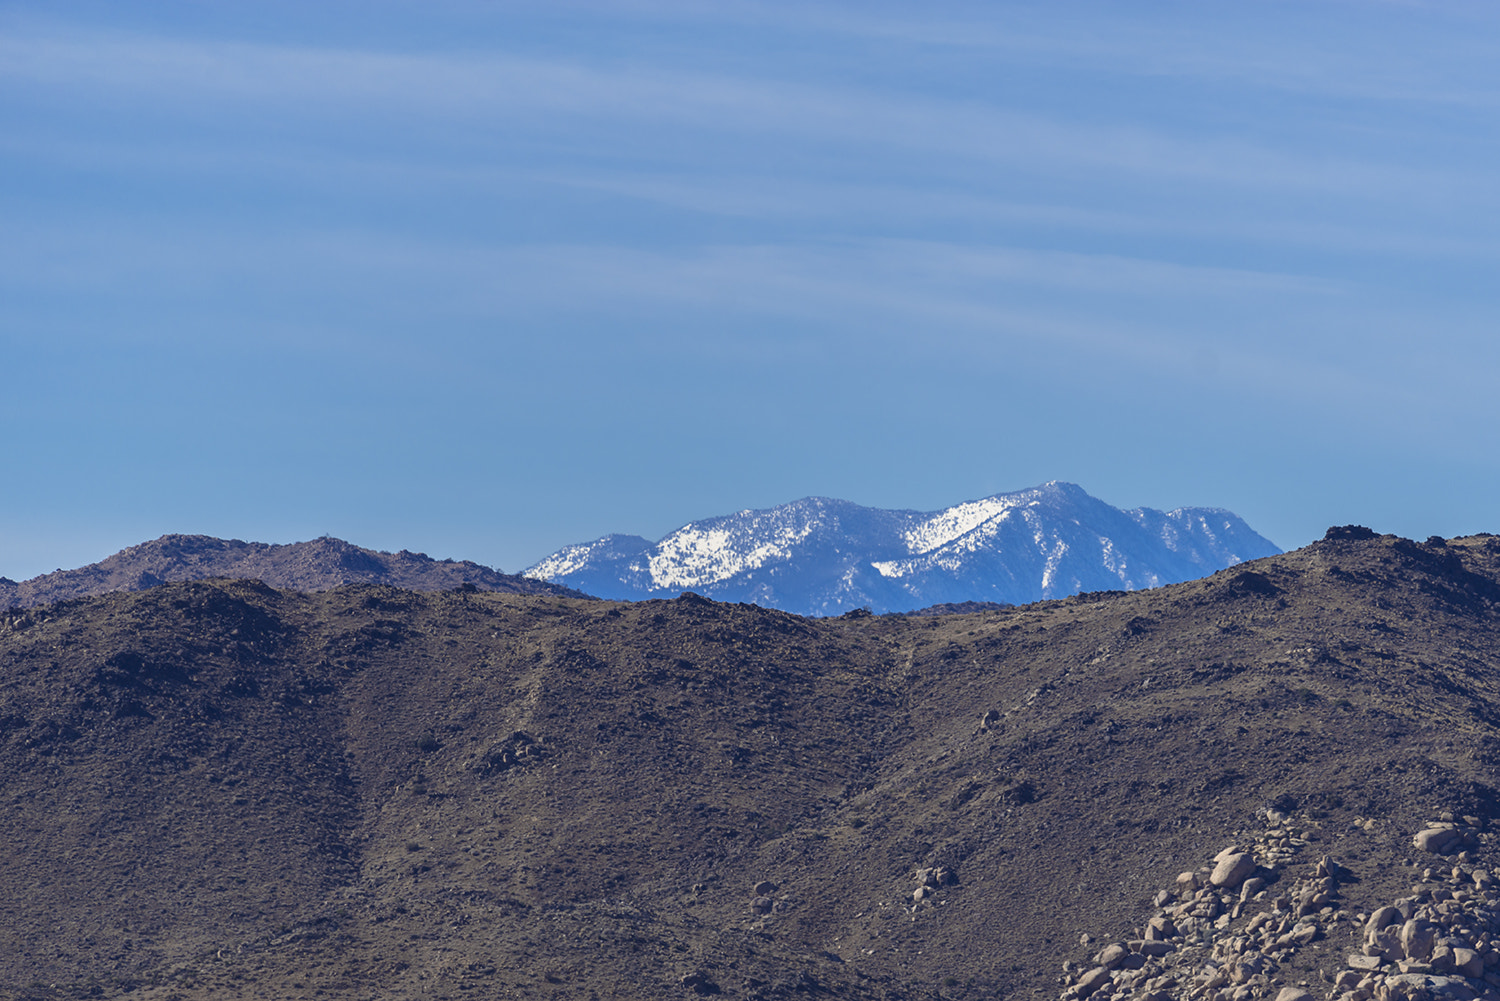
x=957 y=521
x=577 y=559
x=820 y=556
x=1203 y=534
x=699 y=555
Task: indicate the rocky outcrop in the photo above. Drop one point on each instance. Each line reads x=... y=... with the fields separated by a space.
x=1226 y=931
x=1442 y=940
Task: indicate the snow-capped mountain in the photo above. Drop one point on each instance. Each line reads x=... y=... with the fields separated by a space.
x=820 y=556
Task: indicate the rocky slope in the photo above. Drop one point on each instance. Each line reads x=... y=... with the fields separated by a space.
x=218 y=790
x=302 y=566
x=819 y=556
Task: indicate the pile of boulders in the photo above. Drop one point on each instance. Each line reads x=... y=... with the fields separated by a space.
x=1442 y=941
x=1221 y=932
x=929 y=879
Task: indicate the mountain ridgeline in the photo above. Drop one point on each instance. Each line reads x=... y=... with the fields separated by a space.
x=819 y=556
x=217 y=789
x=317 y=565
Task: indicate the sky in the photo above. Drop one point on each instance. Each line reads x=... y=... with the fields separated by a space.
x=483 y=279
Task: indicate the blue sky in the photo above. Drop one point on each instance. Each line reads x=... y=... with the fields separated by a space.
x=484 y=279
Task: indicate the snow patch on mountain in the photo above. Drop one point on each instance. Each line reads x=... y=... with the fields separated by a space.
x=698 y=555
x=946 y=526
x=821 y=556
x=572 y=560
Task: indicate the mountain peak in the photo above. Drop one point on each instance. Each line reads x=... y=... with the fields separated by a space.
x=826 y=556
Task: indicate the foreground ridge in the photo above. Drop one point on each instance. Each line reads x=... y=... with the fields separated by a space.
x=215 y=789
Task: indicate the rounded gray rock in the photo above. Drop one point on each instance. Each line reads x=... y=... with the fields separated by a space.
x=1233 y=870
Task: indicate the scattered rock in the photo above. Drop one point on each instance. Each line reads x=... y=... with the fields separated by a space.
x=935 y=876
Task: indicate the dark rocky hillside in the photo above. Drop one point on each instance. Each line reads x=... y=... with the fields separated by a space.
x=301 y=566
x=216 y=789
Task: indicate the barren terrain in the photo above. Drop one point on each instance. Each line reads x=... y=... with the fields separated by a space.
x=217 y=789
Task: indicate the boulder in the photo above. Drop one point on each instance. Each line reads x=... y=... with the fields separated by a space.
x=1112 y=956
x=1468 y=962
x=1417 y=938
x=1419 y=986
x=1382 y=917
x=1386 y=944
x=1092 y=981
x=1247 y=967
x=1438 y=840
x=1233 y=870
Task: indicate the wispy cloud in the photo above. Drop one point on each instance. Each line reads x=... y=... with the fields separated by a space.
x=903 y=206
x=980 y=306
x=1328 y=48
x=498 y=91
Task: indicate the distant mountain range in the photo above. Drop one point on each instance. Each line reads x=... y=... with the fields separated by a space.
x=319 y=565
x=820 y=556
